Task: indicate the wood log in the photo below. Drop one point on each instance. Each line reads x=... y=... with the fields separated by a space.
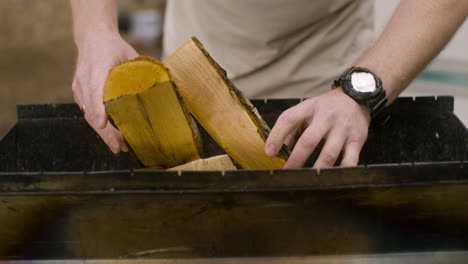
x=217 y=163
x=143 y=103
x=221 y=108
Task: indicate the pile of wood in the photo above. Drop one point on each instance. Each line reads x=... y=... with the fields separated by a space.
x=152 y=104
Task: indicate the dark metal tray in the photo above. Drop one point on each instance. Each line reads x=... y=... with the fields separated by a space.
x=63 y=195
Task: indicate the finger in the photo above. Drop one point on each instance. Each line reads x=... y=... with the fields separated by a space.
x=88 y=113
x=287 y=121
x=113 y=138
x=98 y=104
x=78 y=96
x=76 y=92
x=124 y=147
x=332 y=149
x=290 y=140
x=351 y=152
x=98 y=115
x=307 y=143
x=85 y=95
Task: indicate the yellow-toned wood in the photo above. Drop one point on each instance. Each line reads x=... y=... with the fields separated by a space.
x=142 y=101
x=221 y=108
x=134 y=76
x=130 y=118
x=175 y=129
x=219 y=163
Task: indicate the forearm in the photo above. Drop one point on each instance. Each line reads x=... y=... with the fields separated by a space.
x=92 y=17
x=417 y=32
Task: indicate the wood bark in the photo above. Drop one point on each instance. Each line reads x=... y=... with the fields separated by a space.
x=221 y=108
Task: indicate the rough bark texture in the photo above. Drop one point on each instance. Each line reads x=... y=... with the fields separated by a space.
x=221 y=108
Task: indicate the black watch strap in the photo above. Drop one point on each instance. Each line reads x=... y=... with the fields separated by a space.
x=378 y=103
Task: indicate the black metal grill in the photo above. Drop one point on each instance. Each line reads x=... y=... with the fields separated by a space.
x=63 y=195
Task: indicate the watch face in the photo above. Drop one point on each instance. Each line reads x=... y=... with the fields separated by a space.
x=363 y=82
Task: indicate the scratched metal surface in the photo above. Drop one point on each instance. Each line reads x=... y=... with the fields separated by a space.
x=243 y=223
x=63 y=196
x=452 y=257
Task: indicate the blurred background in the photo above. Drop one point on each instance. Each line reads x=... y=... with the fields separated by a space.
x=37 y=53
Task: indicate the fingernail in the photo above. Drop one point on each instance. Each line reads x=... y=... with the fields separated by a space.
x=115 y=148
x=270 y=150
x=124 y=148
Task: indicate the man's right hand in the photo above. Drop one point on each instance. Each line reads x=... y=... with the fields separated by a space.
x=98 y=53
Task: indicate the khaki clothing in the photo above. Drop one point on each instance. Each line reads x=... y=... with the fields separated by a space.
x=275 y=48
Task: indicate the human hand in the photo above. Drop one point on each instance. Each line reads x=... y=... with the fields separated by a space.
x=96 y=56
x=333 y=116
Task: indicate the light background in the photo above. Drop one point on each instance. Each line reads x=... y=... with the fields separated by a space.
x=37 y=55
x=451 y=65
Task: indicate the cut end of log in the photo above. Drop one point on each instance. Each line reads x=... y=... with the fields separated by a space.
x=143 y=103
x=134 y=76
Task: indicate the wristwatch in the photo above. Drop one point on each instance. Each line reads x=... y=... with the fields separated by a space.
x=364 y=87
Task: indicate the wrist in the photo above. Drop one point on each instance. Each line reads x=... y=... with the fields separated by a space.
x=84 y=37
x=362 y=108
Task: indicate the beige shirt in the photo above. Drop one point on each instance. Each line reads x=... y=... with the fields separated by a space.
x=275 y=48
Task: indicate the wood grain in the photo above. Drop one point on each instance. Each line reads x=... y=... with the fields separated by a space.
x=221 y=108
x=143 y=103
x=219 y=163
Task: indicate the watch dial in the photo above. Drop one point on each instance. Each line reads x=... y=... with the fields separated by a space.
x=363 y=82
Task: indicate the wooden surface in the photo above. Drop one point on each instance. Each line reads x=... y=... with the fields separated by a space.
x=221 y=108
x=143 y=103
x=217 y=163
x=129 y=118
x=454 y=257
x=133 y=77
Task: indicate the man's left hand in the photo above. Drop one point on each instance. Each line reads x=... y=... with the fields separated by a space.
x=334 y=117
